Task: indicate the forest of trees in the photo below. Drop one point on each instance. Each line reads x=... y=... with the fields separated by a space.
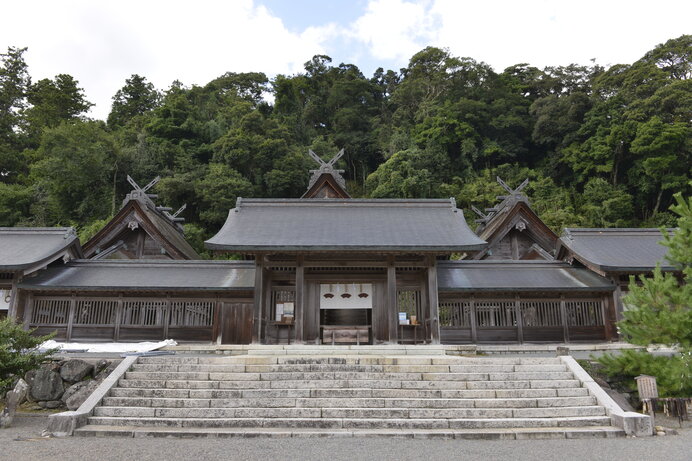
x=602 y=147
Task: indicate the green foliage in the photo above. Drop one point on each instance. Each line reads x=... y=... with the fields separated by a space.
x=18 y=352
x=673 y=374
x=602 y=146
x=660 y=312
x=137 y=97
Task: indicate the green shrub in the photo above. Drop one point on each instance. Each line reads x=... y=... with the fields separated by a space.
x=18 y=352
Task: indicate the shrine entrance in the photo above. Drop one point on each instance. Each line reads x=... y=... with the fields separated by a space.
x=346 y=299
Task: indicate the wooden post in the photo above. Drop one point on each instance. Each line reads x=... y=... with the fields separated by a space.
x=520 y=323
x=300 y=301
x=474 y=327
x=392 y=305
x=617 y=297
x=563 y=314
x=70 y=316
x=12 y=312
x=29 y=311
x=118 y=318
x=166 y=315
x=259 y=300
x=433 y=302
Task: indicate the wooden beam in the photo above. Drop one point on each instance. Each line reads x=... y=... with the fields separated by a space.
x=300 y=300
x=433 y=302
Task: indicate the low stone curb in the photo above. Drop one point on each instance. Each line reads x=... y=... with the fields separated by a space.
x=63 y=424
x=634 y=424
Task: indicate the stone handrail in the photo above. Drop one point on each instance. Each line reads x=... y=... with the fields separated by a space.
x=64 y=424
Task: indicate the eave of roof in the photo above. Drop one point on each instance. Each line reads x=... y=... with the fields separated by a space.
x=24 y=247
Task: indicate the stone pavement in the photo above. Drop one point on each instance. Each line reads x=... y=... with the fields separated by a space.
x=24 y=442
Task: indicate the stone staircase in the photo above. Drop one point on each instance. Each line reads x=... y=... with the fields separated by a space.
x=349 y=396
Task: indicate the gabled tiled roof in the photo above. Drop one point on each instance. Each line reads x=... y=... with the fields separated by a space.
x=616 y=250
x=23 y=247
x=433 y=225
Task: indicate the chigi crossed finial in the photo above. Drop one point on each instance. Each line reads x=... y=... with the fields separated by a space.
x=327 y=167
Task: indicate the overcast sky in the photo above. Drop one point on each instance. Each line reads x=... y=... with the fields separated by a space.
x=101 y=43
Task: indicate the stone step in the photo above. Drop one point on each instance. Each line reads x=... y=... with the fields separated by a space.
x=353 y=423
x=348 y=403
x=458 y=394
x=351 y=413
x=331 y=368
x=350 y=360
x=442 y=382
x=486 y=434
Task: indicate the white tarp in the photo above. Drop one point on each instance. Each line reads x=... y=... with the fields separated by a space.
x=108 y=347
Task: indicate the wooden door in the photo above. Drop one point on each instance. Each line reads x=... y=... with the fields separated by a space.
x=236 y=323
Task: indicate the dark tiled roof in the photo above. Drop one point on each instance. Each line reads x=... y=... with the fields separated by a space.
x=625 y=250
x=23 y=247
x=143 y=275
x=517 y=276
x=345 y=225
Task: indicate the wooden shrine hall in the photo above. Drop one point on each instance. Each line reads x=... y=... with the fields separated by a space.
x=321 y=269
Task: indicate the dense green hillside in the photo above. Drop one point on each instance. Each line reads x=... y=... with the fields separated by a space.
x=602 y=146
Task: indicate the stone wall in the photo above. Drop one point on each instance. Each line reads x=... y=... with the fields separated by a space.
x=66 y=383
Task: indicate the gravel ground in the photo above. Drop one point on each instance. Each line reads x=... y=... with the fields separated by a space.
x=24 y=442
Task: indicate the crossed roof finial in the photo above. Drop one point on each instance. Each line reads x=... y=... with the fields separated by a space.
x=512 y=196
x=327 y=167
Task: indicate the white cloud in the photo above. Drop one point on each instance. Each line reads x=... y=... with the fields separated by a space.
x=506 y=32
x=103 y=43
x=394 y=29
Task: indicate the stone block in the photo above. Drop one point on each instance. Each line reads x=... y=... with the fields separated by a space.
x=45 y=384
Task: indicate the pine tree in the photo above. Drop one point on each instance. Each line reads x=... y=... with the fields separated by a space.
x=660 y=312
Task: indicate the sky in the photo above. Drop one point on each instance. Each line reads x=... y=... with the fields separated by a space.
x=101 y=43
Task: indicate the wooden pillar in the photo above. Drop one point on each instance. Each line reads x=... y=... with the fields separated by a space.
x=563 y=314
x=70 y=316
x=300 y=300
x=520 y=323
x=392 y=305
x=617 y=297
x=118 y=318
x=166 y=315
x=259 y=300
x=608 y=313
x=474 y=327
x=12 y=312
x=28 y=311
x=433 y=301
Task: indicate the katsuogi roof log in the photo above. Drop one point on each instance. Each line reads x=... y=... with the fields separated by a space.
x=258 y=225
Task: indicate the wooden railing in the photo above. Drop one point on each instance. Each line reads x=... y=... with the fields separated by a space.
x=122 y=318
x=520 y=319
